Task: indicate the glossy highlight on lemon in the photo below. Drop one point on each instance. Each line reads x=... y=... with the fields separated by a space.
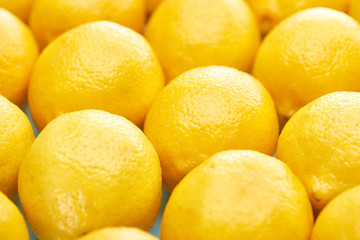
x=321 y=145
x=186 y=34
x=88 y=170
x=207 y=110
x=238 y=195
x=98 y=65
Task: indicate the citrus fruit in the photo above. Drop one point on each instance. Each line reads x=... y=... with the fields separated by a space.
x=120 y=233
x=201 y=33
x=238 y=195
x=340 y=219
x=99 y=65
x=207 y=110
x=321 y=144
x=87 y=170
x=50 y=18
x=340 y=5
x=271 y=12
x=18 y=52
x=16 y=137
x=354 y=9
x=152 y=4
x=21 y=8
x=12 y=224
x=310 y=54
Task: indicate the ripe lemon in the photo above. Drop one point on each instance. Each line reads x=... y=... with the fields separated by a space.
x=120 y=233
x=99 y=65
x=321 y=144
x=51 y=18
x=21 y=8
x=207 y=110
x=152 y=4
x=193 y=33
x=238 y=195
x=271 y=12
x=354 y=9
x=16 y=137
x=340 y=219
x=311 y=53
x=87 y=170
x=12 y=224
x=18 y=52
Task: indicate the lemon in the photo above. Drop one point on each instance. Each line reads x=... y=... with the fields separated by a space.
x=16 y=137
x=21 y=8
x=18 y=52
x=12 y=224
x=193 y=33
x=310 y=54
x=120 y=233
x=340 y=218
x=87 y=170
x=321 y=144
x=271 y=12
x=354 y=9
x=152 y=4
x=207 y=110
x=340 y=5
x=99 y=65
x=238 y=195
x=51 y=18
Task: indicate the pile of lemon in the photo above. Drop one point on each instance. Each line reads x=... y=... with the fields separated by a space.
x=193 y=95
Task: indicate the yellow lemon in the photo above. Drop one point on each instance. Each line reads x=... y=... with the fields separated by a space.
x=354 y=9
x=18 y=52
x=87 y=170
x=271 y=12
x=193 y=33
x=340 y=219
x=321 y=144
x=120 y=233
x=312 y=53
x=207 y=110
x=50 y=18
x=152 y=4
x=99 y=65
x=340 y=5
x=12 y=224
x=238 y=195
x=21 y=8
x=16 y=137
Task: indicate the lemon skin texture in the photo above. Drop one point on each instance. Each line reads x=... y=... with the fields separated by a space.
x=321 y=144
x=120 y=233
x=310 y=54
x=207 y=110
x=238 y=195
x=88 y=170
x=16 y=137
x=186 y=34
x=340 y=218
x=50 y=18
x=12 y=223
x=99 y=65
x=18 y=53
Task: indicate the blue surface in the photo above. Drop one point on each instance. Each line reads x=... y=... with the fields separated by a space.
x=156 y=228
